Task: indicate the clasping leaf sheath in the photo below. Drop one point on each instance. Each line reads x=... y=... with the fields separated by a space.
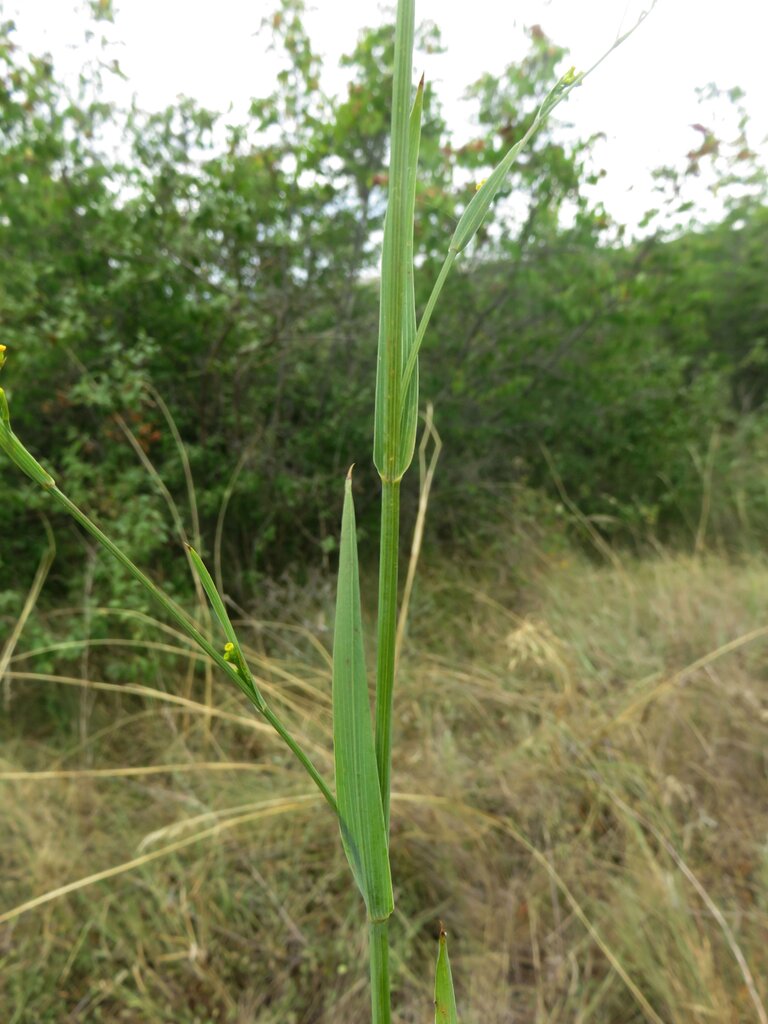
x=361 y=817
x=397 y=407
x=409 y=411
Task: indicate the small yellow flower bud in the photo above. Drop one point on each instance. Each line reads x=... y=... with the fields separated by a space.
x=2 y=355
x=229 y=647
x=570 y=76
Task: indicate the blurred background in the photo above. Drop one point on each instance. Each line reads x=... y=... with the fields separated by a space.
x=190 y=221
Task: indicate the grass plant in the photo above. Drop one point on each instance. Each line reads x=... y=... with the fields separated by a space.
x=596 y=694
x=361 y=798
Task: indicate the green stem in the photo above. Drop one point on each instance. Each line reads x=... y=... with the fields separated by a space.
x=387 y=633
x=310 y=769
x=379 y=956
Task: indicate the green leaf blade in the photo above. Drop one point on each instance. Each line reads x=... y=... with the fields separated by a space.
x=213 y=595
x=478 y=206
x=361 y=817
x=409 y=392
x=238 y=662
x=398 y=228
x=445 y=1000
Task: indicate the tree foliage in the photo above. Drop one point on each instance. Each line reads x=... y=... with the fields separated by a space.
x=170 y=276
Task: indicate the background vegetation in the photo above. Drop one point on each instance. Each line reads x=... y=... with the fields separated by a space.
x=190 y=312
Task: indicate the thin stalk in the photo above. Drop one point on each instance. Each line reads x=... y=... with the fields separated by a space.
x=387 y=635
x=378 y=933
x=292 y=745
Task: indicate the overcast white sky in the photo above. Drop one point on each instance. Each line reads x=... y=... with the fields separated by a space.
x=643 y=97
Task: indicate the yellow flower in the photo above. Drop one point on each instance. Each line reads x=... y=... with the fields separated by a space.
x=571 y=76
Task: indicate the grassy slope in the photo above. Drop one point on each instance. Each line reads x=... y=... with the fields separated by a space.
x=581 y=791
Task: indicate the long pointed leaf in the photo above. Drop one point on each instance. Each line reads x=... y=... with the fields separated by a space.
x=409 y=396
x=361 y=817
x=235 y=656
x=445 y=1000
x=478 y=207
x=398 y=228
x=480 y=203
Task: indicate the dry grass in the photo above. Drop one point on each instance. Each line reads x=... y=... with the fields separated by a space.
x=580 y=794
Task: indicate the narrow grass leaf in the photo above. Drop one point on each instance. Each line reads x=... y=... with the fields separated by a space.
x=398 y=228
x=480 y=203
x=213 y=596
x=445 y=1000
x=409 y=413
x=478 y=207
x=235 y=655
x=361 y=817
